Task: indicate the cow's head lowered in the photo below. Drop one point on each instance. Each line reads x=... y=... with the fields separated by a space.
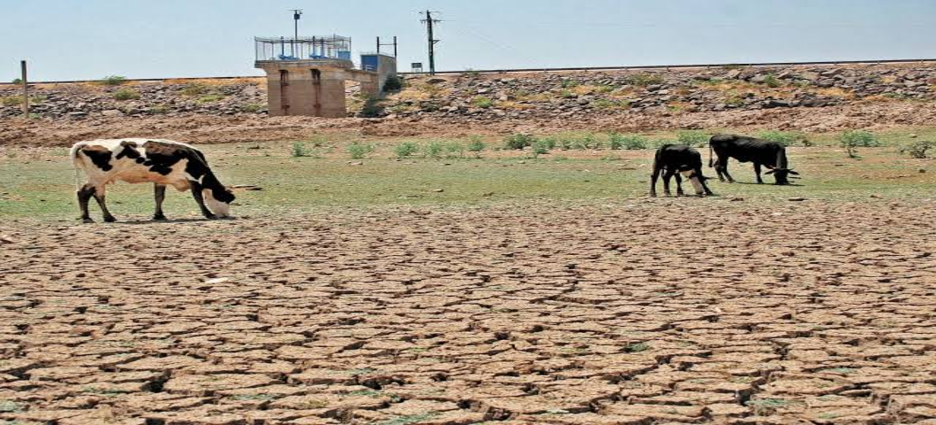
x=218 y=198
x=782 y=175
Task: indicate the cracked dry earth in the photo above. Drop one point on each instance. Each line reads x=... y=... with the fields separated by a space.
x=673 y=311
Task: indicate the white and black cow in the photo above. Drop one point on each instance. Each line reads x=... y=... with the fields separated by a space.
x=674 y=160
x=748 y=149
x=161 y=162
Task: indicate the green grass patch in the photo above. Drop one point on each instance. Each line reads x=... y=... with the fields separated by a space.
x=126 y=94
x=112 y=80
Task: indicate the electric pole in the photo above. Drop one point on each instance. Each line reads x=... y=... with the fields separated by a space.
x=296 y=14
x=430 y=24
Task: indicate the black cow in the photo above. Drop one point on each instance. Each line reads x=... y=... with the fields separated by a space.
x=748 y=149
x=683 y=159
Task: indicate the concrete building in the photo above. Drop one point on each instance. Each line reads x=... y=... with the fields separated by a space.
x=307 y=76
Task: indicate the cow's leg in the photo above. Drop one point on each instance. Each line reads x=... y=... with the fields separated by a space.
x=160 y=190
x=197 y=194
x=679 y=191
x=718 y=170
x=757 y=171
x=653 y=181
x=667 y=175
x=724 y=169
x=99 y=197
x=702 y=180
x=84 y=195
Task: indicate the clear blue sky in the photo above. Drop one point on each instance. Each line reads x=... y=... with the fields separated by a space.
x=87 y=39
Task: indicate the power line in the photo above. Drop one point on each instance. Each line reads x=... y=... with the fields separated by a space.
x=430 y=24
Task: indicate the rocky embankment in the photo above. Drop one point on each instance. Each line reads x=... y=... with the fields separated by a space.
x=661 y=91
x=813 y=99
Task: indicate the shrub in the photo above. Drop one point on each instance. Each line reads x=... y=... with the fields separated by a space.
x=195 y=89
x=360 y=150
x=434 y=150
x=126 y=94
x=567 y=94
x=628 y=142
x=476 y=145
x=454 y=150
x=299 y=150
x=852 y=140
x=113 y=80
x=17 y=81
x=570 y=84
x=694 y=138
x=785 y=138
x=519 y=141
x=251 y=108
x=540 y=147
x=644 y=79
x=406 y=149
x=482 y=102
x=393 y=83
x=589 y=141
x=11 y=101
x=159 y=109
x=211 y=98
x=771 y=81
x=918 y=149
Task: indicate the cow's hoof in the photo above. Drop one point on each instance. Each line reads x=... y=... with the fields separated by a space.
x=653 y=195
x=211 y=217
x=110 y=219
x=159 y=217
x=87 y=220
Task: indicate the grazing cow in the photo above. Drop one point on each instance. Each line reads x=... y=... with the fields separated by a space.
x=683 y=159
x=748 y=149
x=161 y=162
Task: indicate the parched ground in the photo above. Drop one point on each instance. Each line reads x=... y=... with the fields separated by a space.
x=637 y=312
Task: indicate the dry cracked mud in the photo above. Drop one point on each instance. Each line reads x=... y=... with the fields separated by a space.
x=669 y=311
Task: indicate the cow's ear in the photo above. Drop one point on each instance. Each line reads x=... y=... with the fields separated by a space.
x=770 y=172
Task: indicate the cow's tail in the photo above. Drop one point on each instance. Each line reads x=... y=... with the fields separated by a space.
x=77 y=163
x=711 y=155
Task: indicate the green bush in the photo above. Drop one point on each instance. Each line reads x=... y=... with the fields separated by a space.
x=393 y=83
x=785 y=138
x=918 y=149
x=771 y=81
x=251 y=108
x=482 y=102
x=434 y=150
x=113 y=80
x=406 y=149
x=126 y=94
x=360 y=150
x=299 y=150
x=540 y=147
x=17 y=81
x=570 y=84
x=628 y=142
x=852 y=140
x=11 y=101
x=644 y=79
x=195 y=89
x=211 y=98
x=476 y=145
x=454 y=150
x=589 y=141
x=695 y=138
x=519 y=141
x=159 y=109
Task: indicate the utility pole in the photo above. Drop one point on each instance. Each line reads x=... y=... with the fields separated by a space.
x=430 y=24
x=25 y=89
x=296 y=14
